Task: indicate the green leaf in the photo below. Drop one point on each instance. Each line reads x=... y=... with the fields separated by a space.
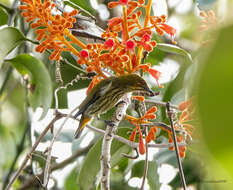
x=70 y=182
x=3 y=17
x=91 y=165
x=165 y=156
x=69 y=73
x=138 y=168
x=10 y=39
x=82 y=3
x=169 y=48
x=39 y=77
x=153 y=176
x=215 y=103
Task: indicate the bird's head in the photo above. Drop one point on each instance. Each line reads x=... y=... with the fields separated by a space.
x=133 y=83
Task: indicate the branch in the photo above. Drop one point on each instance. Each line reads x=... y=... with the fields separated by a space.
x=28 y=156
x=31 y=181
x=169 y=113
x=159 y=103
x=131 y=143
x=47 y=166
x=107 y=141
x=143 y=110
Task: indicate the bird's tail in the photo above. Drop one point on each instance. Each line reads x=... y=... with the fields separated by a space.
x=83 y=121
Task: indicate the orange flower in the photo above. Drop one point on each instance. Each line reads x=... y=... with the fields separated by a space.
x=156 y=74
x=142 y=149
x=158 y=23
x=209 y=20
x=132 y=137
x=54 y=28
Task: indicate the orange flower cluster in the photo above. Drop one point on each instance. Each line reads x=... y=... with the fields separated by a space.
x=149 y=115
x=186 y=116
x=209 y=20
x=182 y=149
x=125 y=39
x=120 y=55
x=51 y=30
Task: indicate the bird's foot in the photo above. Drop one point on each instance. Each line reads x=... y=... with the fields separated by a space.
x=120 y=102
x=109 y=123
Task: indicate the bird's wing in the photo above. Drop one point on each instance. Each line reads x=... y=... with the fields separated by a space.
x=97 y=91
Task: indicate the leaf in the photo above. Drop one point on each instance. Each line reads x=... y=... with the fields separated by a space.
x=91 y=165
x=69 y=73
x=39 y=77
x=70 y=181
x=165 y=156
x=215 y=103
x=169 y=48
x=3 y=17
x=138 y=168
x=83 y=4
x=10 y=39
x=153 y=176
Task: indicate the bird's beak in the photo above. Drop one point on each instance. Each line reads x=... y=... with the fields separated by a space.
x=149 y=92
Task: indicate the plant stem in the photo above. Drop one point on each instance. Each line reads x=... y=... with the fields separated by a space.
x=31 y=181
x=8 y=73
x=28 y=156
x=169 y=113
x=148 y=10
x=48 y=160
x=12 y=13
x=19 y=149
x=75 y=40
x=8 y=9
x=159 y=103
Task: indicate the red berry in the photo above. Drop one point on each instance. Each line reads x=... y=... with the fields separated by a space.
x=130 y=44
x=123 y=2
x=146 y=37
x=109 y=43
x=84 y=53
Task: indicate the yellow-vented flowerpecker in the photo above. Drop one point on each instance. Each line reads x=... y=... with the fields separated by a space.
x=106 y=94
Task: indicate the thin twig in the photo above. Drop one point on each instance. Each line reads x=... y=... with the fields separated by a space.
x=143 y=111
x=131 y=143
x=56 y=166
x=107 y=141
x=28 y=156
x=19 y=149
x=48 y=161
x=8 y=73
x=13 y=12
x=160 y=103
x=169 y=113
x=131 y=157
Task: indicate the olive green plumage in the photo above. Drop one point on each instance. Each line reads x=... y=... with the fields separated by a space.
x=106 y=94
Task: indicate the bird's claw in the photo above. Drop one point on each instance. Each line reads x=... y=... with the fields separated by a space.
x=109 y=122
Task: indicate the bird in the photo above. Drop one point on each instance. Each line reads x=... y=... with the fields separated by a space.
x=106 y=94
